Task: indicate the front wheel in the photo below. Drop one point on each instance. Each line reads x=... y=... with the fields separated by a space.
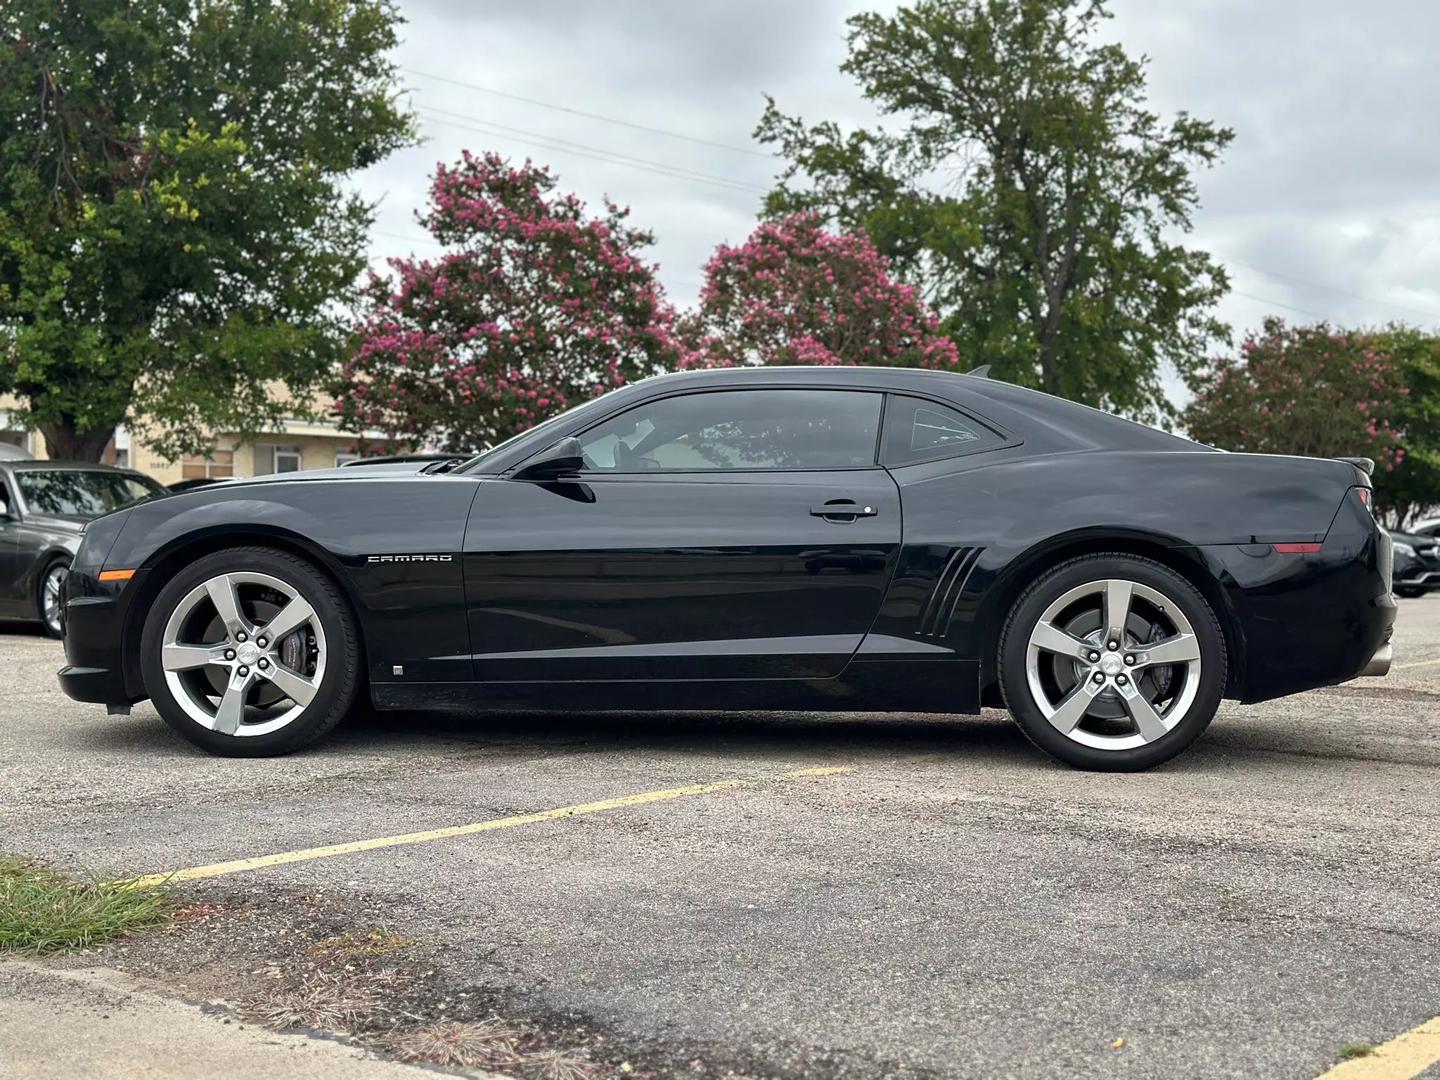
x=1112 y=662
x=251 y=652
x=49 y=602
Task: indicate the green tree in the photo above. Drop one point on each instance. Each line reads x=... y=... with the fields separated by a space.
x=1026 y=188
x=175 y=236
x=1412 y=487
x=1320 y=391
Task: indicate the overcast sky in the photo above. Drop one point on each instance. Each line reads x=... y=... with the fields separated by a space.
x=1327 y=204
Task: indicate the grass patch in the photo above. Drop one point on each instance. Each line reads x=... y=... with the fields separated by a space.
x=42 y=911
x=1356 y=1050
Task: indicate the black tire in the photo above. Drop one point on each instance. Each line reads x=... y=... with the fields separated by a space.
x=53 y=628
x=1410 y=594
x=338 y=682
x=1087 y=569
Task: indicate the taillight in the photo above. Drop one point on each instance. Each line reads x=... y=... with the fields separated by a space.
x=1366 y=496
x=1296 y=549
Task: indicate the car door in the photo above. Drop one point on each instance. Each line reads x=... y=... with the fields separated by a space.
x=11 y=601
x=728 y=534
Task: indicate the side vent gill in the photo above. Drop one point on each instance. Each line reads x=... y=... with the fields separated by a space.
x=935 y=619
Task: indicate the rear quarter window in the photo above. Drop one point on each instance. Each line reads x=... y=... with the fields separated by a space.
x=918 y=430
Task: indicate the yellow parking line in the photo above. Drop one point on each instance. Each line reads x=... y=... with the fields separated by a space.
x=235 y=866
x=1401 y=1058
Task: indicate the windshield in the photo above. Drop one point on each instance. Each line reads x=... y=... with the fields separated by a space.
x=81 y=493
x=544 y=425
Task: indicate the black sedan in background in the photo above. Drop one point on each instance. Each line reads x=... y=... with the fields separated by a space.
x=43 y=507
x=777 y=538
x=1417 y=564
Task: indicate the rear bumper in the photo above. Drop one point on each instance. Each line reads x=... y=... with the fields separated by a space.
x=1302 y=621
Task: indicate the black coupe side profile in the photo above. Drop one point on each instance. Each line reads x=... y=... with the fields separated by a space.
x=772 y=538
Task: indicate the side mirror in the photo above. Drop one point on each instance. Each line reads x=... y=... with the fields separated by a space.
x=559 y=462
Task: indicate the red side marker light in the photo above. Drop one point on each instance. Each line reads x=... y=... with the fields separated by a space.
x=1296 y=549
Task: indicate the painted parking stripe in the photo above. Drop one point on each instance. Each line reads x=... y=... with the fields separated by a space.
x=1402 y=1058
x=236 y=866
x=1417 y=663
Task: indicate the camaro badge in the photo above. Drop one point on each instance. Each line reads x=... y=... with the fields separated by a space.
x=407 y=558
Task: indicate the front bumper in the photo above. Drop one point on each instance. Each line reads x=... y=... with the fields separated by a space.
x=95 y=665
x=1426 y=579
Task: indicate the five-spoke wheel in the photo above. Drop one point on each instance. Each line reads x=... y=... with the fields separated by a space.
x=1112 y=661
x=250 y=652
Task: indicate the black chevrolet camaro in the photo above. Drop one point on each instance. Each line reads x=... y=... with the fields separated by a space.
x=773 y=538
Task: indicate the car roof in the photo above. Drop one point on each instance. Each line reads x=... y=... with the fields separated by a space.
x=47 y=465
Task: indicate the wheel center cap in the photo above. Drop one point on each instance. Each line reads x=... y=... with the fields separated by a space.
x=1112 y=663
x=249 y=652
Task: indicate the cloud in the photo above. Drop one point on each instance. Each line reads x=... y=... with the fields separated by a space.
x=1326 y=205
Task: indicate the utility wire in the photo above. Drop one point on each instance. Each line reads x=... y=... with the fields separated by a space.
x=589 y=115
x=1332 y=289
x=484 y=127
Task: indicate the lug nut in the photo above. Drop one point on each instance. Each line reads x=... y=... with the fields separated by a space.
x=260 y=642
x=1129 y=659
x=1094 y=656
x=1121 y=679
x=1099 y=677
x=244 y=670
x=264 y=663
x=229 y=654
x=241 y=637
x=1113 y=646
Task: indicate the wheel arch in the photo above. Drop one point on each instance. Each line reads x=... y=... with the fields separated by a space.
x=1003 y=593
x=165 y=562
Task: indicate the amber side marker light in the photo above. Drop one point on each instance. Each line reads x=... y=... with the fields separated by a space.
x=1296 y=549
x=116 y=575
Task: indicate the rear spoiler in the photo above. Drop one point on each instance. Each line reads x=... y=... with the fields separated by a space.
x=1364 y=464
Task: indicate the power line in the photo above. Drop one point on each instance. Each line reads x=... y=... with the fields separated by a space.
x=549 y=142
x=589 y=115
x=1277 y=303
x=1333 y=289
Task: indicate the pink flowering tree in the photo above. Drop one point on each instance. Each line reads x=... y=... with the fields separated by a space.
x=794 y=293
x=1309 y=390
x=536 y=306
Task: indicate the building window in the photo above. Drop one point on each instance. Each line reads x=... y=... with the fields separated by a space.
x=287 y=459
x=217 y=464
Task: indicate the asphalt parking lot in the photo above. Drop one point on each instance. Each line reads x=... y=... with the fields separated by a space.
x=814 y=896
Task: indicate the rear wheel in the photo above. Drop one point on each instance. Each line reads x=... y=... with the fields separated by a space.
x=49 y=606
x=1409 y=593
x=251 y=652
x=1112 y=662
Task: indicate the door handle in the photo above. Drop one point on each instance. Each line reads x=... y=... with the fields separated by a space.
x=842 y=510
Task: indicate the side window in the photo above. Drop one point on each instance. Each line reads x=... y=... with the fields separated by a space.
x=739 y=429
x=918 y=430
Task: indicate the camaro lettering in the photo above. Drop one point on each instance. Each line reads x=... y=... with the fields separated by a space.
x=407 y=558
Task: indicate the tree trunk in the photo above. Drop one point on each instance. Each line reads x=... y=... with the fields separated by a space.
x=64 y=443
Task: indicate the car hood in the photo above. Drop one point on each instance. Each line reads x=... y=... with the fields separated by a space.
x=54 y=523
x=351 y=472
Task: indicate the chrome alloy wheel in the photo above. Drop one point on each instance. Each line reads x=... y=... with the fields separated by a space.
x=50 y=605
x=243 y=653
x=1113 y=664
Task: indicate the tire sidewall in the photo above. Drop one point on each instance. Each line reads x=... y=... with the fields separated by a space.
x=1027 y=611
x=337 y=687
x=49 y=631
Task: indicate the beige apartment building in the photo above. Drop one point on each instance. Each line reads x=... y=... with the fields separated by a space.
x=297 y=443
